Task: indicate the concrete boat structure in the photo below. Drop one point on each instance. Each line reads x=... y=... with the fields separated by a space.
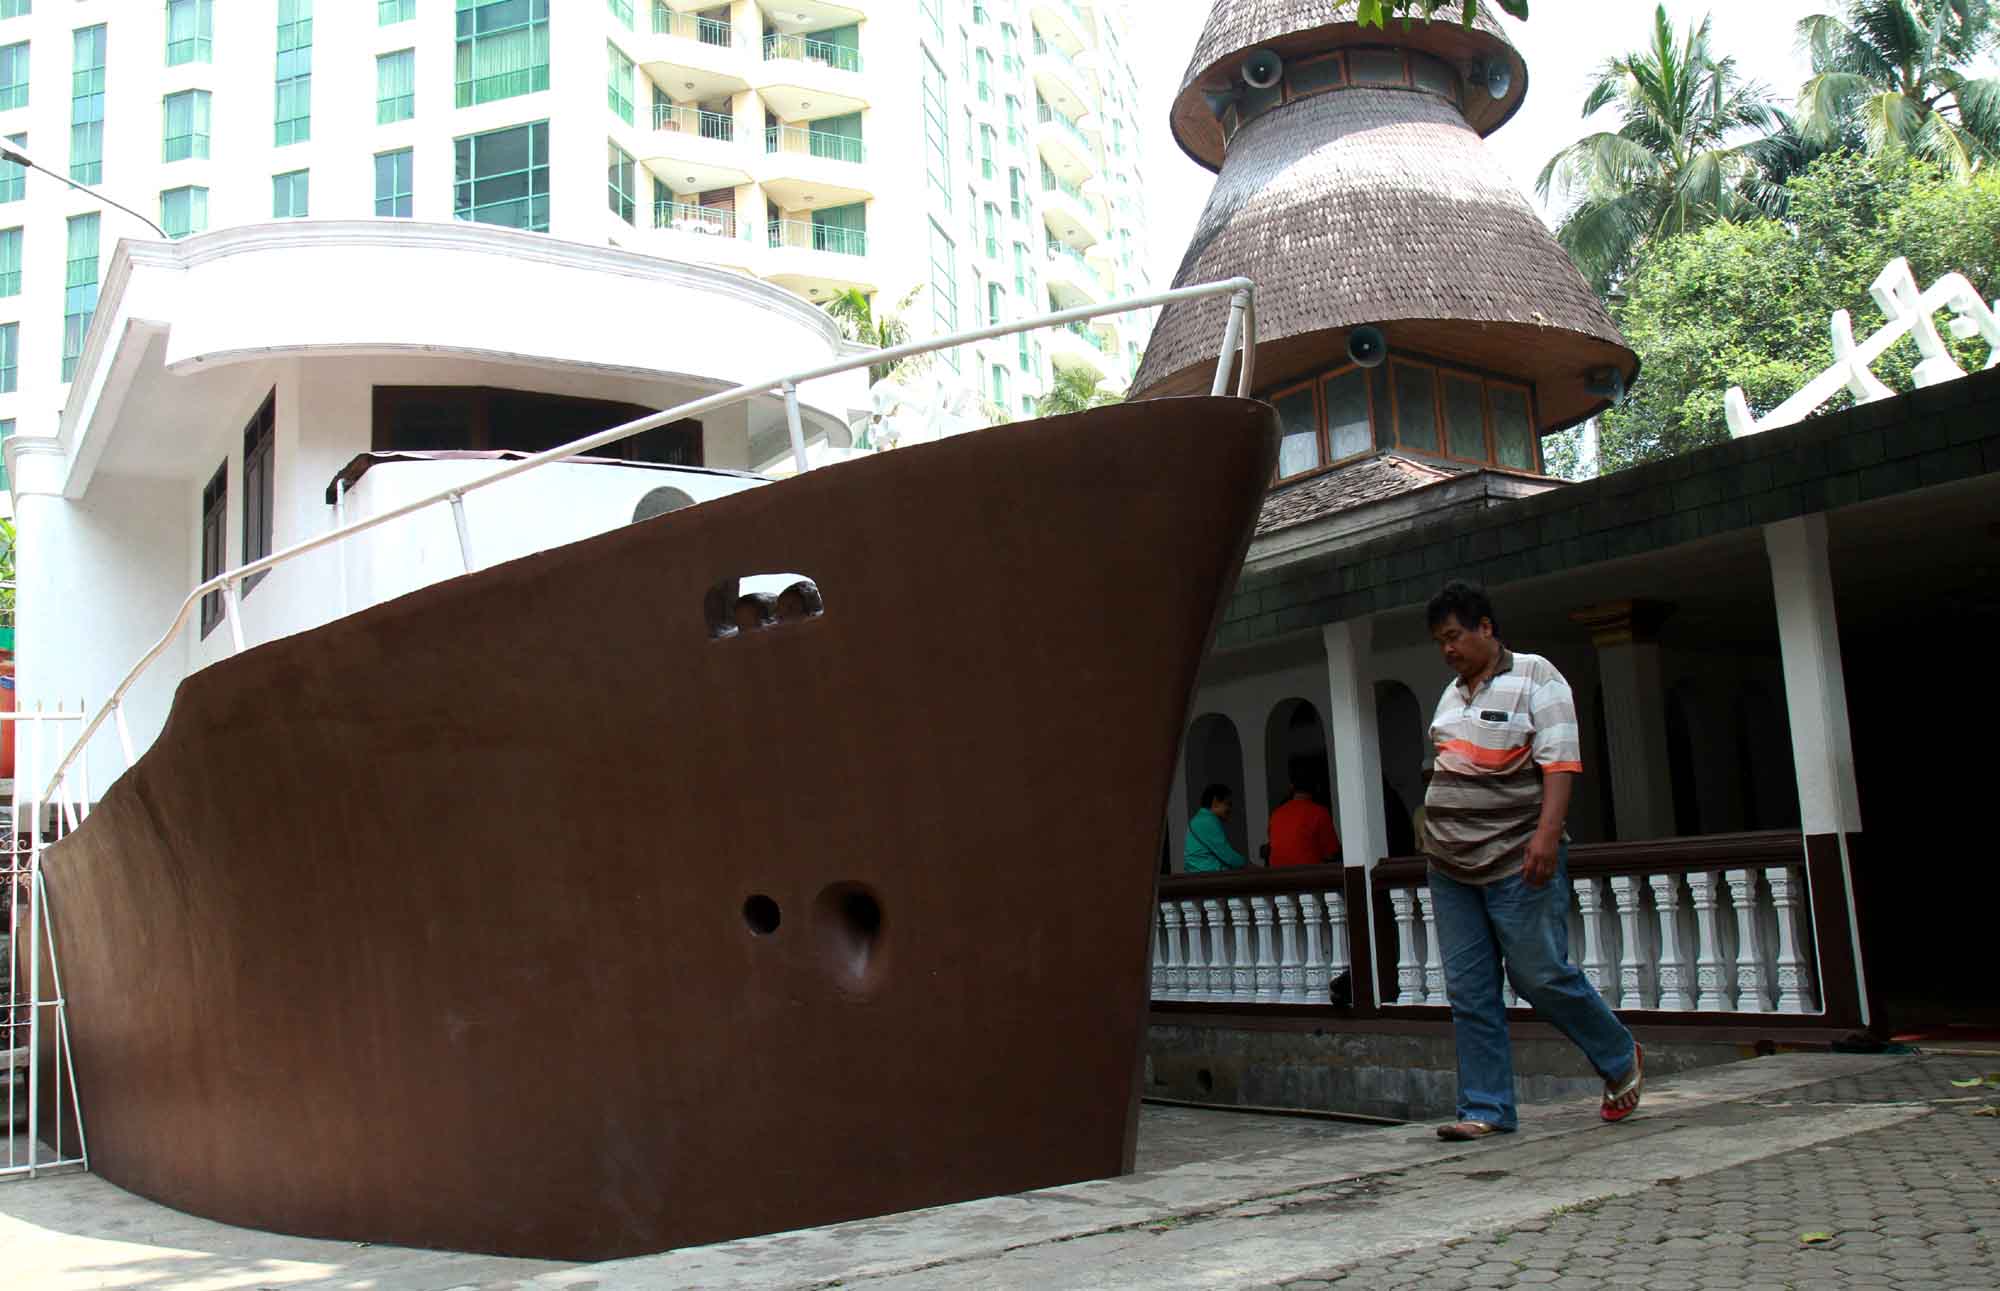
x=570 y=908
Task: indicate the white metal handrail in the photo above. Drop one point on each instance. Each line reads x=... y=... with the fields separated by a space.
x=1240 y=332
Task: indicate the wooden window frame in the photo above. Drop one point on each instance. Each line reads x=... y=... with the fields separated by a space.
x=1343 y=83
x=1326 y=427
x=215 y=520
x=1536 y=462
x=260 y=458
x=1319 y=428
x=1403 y=54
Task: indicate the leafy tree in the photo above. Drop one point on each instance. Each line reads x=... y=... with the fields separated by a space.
x=1750 y=304
x=1678 y=160
x=854 y=310
x=1893 y=71
x=1378 y=12
x=1075 y=390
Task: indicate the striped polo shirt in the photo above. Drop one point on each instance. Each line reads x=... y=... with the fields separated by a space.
x=1493 y=748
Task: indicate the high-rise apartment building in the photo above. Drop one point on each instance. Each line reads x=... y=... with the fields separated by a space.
x=976 y=158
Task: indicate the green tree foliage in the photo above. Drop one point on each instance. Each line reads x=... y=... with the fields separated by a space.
x=1074 y=391
x=1895 y=73
x=854 y=310
x=1689 y=149
x=1749 y=303
x=1377 y=13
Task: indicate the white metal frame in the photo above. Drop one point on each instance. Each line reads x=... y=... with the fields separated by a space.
x=1240 y=333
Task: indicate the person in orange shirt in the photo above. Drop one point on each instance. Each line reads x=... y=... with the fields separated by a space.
x=1302 y=832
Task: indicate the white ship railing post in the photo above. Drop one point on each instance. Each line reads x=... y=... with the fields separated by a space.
x=459 y=523
x=124 y=731
x=1231 y=334
x=232 y=602
x=340 y=548
x=795 y=427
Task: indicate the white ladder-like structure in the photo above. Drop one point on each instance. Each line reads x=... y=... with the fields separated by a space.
x=1910 y=313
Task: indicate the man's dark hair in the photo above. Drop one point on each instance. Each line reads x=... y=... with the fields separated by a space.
x=1463 y=601
x=1215 y=793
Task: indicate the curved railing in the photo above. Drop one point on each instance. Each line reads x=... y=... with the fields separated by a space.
x=1240 y=331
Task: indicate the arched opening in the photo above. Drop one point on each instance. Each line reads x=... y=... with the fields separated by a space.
x=1400 y=735
x=1295 y=754
x=1215 y=756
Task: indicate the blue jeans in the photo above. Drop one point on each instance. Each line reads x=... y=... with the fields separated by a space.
x=1528 y=927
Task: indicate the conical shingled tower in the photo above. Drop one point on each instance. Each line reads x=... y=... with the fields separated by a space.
x=1355 y=187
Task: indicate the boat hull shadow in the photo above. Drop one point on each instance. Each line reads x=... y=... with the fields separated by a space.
x=525 y=914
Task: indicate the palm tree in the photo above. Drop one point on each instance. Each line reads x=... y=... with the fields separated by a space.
x=1678 y=160
x=1075 y=390
x=1894 y=70
x=854 y=310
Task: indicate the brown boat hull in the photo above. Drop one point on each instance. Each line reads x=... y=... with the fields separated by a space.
x=430 y=927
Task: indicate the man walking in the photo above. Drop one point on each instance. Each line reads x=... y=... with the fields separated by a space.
x=1507 y=757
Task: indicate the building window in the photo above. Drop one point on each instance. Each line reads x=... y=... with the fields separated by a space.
x=619 y=90
x=190 y=31
x=184 y=211
x=79 y=289
x=1010 y=51
x=393 y=189
x=503 y=49
x=988 y=138
x=937 y=131
x=944 y=289
x=1022 y=278
x=1000 y=387
x=214 y=526
x=996 y=308
x=1017 y=193
x=13 y=175
x=992 y=231
x=478 y=419
x=258 y=490
x=1016 y=136
x=622 y=11
x=623 y=178
x=395 y=86
x=1408 y=405
x=502 y=177
x=295 y=82
x=186 y=124
x=291 y=195
x=10 y=262
x=933 y=21
x=390 y=12
x=984 y=62
x=86 y=107
x=10 y=356
x=16 y=8
x=14 y=76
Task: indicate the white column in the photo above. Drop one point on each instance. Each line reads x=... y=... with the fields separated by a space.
x=1171 y=981
x=1409 y=968
x=1816 y=703
x=1242 y=961
x=1219 y=980
x=1291 y=967
x=1433 y=953
x=1338 y=960
x=1711 y=977
x=1315 y=973
x=1753 y=984
x=1357 y=746
x=1673 y=958
x=1597 y=970
x=1197 y=962
x=1635 y=715
x=1635 y=968
x=1357 y=763
x=1267 y=958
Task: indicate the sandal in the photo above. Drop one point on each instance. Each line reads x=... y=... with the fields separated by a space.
x=1622 y=1099
x=1466 y=1131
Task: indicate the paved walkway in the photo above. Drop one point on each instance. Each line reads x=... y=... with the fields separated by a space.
x=1727 y=1179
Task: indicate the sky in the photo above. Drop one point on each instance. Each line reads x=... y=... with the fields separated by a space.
x=1564 y=42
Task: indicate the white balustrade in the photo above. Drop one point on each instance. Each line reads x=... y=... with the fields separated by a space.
x=1197 y=963
x=1291 y=966
x=1409 y=968
x=1170 y=976
x=1711 y=987
x=1795 y=985
x=1220 y=980
x=1672 y=963
x=1267 y=958
x=1753 y=980
x=1597 y=969
x=1250 y=949
x=1635 y=965
x=1433 y=957
x=1242 y=968
x=1316 y=972
x=1338 y=960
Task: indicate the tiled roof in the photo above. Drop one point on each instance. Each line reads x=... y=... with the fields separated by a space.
x=1372 y=479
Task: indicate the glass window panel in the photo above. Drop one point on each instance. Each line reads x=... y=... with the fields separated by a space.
x=395 y=86
x=14 y=76
x=13 y=175
x=1465 y=417
x=1513 y=430
x=1319 y=75
x=10 y=262
x=1255 y=102
x=1376 y=66
x=190 y=31
x=1385 y=424
x=393 y=191
x=1346 y=400
x=1416 y=406
x=1298 y=430
x=1430 y=74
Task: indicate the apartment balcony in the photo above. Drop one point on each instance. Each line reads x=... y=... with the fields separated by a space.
x=801 y=76
x=1063 y=145
x=1062 y=23
x=694 y=150
x=1061 y=79
x=803 y=168
x=696 y=57
x=1070 y=277
x=815 y=260
x=702 y=234
x=1070 y=215
x=1079 y=345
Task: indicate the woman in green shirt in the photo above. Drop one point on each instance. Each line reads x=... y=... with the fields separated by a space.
x=1208 y=850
